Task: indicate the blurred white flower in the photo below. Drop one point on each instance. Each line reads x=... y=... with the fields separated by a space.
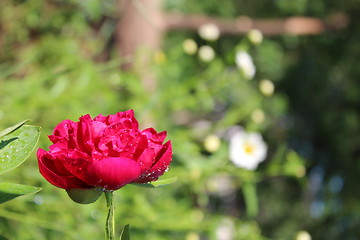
x=212 y=143
x=190 y=47
x=209 y=32
x=247 y=150
x=303 y=235
x=245 y=64
x=206 y=53
x=225 y=230
x=255 y=36
x=221 y=185
x=258 y=116
x=266 y=87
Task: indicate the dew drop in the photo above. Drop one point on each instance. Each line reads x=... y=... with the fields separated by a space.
x=94 y=214
x=38 y=200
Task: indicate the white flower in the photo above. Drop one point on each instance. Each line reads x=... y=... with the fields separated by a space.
x=221 y=185
x=247 y=150
x=190 y=46
x=209 y=32
x=225 y=230
x=303 y=235
x=206 y=53
x=255 y=36
x=245 y=64
x=266 y=87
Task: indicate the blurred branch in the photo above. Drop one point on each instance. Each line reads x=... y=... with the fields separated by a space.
x=243 y=24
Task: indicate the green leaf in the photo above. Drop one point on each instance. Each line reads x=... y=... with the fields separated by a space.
x=12 y=128
x=294 y=165
x=125 y=234
x=158 y=183
x=4 y=143
x=16 y=146
x=84 y=196
x=10 y=191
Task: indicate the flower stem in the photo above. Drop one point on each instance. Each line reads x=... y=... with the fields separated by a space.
x=110 y=221
x=250 y=197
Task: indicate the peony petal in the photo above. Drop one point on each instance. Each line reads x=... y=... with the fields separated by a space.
x=100 y=118
x=119 y=142
x=56 y=178
x=126 y=119
x=63 y=133
x=75 y=162
x=112 y=173
x=153 y=136
x=146 y=160
x=164 y=158
x=153 y=140
x=88 y=133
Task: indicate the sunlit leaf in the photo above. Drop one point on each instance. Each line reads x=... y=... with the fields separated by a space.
x=158 y=183
x=17 y=146
x=12 y=128
x=10 y=191
x=294 y=165
x=125 y=234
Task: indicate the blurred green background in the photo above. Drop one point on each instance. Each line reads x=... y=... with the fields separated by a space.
x=59 y=59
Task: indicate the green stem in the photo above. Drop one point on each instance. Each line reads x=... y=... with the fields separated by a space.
x=110 y=221
x=250 y=197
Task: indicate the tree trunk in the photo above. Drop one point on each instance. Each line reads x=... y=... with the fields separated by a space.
x=140 y=29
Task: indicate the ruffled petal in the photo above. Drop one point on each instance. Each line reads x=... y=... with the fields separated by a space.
x=88 y=133
x=146 y=160
x=57 y=176
x=64 y=134
x=153 y=136
x=163 y=159
x=126 y=119
x=112 y=173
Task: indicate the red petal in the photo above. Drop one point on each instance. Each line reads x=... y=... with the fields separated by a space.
x=112 y=173
x=146 y=160
x=153 y=136
x=88 y=132
x=55 y=175
x=64 y=133
x=164 y=158
x=126 y=119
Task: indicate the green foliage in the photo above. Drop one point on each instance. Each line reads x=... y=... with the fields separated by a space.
x=16 y=144
x=10 y=191
x=11 y=129
x=125 y=235
x=157 y=183
x=58 y=62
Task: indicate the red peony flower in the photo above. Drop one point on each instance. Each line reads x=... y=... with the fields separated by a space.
x=107 y=152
